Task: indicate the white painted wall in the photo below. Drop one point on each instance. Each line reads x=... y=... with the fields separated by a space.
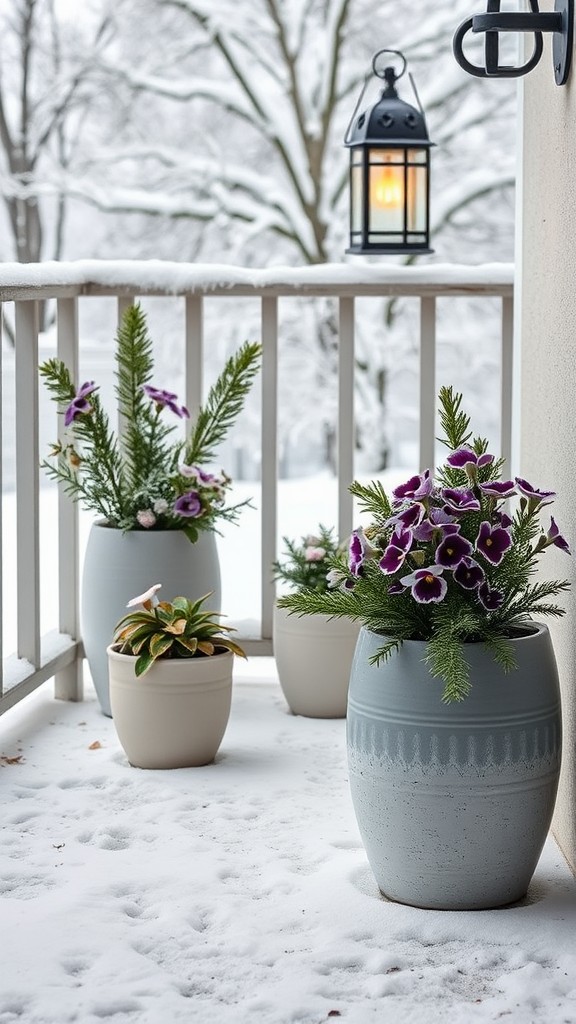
x=548 y=357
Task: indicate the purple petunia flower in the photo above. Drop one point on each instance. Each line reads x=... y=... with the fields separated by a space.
x=425 y=531
x=452 y=550
x=163 y=398
x=459 y=500
x=419 y=486
x=409 y=517
x=395 y=554
x=392 y=559
x=555 y=537
x=469 y=574
x=493 y=542
x=464 y=456
x=543 y=497
x=196 y=473
x=502 y=519
x=358 y=551
x=79 y=406
x=491 y=600
x=189 y=505
x=498 y=488
x=427 y=585
x=396 y=588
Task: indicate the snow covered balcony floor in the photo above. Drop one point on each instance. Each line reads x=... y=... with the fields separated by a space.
x=238 y=893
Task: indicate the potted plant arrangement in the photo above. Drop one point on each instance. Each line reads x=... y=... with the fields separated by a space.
x=454 y=726
x=171 y=681
x=313 y=652
x=157 y=504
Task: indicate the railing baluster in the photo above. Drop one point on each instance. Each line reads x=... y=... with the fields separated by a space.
x=27 y=483
x=427 y=382
x=194 y=357
x=269 y=456
x=1 y=508
x=346 y=421
x=507 y=384
x=68 y=683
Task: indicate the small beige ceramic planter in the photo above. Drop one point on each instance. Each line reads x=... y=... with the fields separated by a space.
x=175 y=715
x=314 y=657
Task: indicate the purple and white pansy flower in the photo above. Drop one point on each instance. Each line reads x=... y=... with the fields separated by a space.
x=493 y=542
x=465 y=456
x=426 y=585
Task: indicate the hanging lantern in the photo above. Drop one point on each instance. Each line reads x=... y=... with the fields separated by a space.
x=389 y=172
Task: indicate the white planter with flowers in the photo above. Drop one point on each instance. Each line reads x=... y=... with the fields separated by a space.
x=170 y=682
x=156 y=506
x=454 y=719
x=313 y=652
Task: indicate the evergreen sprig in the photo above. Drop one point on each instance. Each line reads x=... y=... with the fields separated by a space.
x=304 y=564
x=444 y=562
x=148 y=477
x=223 y=404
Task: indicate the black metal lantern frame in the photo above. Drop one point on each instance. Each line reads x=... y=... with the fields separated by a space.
x=389 y=171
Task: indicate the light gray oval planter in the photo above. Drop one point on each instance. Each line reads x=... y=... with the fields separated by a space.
x=119 y=566
x=175 y=715
x=454 y=801
x=314 y=656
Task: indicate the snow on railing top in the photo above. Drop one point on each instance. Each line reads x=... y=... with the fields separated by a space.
x=141 y=277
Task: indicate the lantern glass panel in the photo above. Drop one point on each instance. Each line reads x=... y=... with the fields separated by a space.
x=386 y=197
x=417 y=198
x=387 y=156
x=417 y=156
x=357 y=156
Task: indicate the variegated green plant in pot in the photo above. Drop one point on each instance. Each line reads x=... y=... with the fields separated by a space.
x=170 y=667
x=454 y=719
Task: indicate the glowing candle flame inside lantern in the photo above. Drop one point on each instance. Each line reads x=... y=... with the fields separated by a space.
x=387 y=187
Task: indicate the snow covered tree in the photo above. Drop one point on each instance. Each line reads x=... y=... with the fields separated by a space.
x=276 y=81
x=47 y=83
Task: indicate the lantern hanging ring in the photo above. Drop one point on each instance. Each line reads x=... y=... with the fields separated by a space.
x=382 y=74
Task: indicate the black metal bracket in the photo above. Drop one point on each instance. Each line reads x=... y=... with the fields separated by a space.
x=560 y=22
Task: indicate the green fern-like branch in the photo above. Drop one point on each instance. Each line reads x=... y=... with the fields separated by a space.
x=372 y=499
x=454 y=422
x=145 y=431
x=223 y=404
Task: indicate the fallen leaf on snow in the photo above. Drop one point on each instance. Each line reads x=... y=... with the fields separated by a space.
x=95 y=746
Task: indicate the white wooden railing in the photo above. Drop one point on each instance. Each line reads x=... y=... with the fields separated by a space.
x=59 y=654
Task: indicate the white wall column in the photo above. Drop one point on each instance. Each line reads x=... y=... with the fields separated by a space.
x=548 y=356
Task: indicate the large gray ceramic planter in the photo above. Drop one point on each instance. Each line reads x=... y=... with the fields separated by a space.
x=119 y=566
x=454 y=801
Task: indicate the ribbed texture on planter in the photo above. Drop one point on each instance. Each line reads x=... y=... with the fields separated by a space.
x=454 y=801
x=119 y=566
x=314 y=657
x=175 y=715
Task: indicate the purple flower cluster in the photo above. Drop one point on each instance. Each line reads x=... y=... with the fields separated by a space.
x=200 y=492
x=442 y=539
x=165 y=399
x=79 y=404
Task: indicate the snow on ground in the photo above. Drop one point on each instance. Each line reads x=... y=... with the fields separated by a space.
x=238 y=893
